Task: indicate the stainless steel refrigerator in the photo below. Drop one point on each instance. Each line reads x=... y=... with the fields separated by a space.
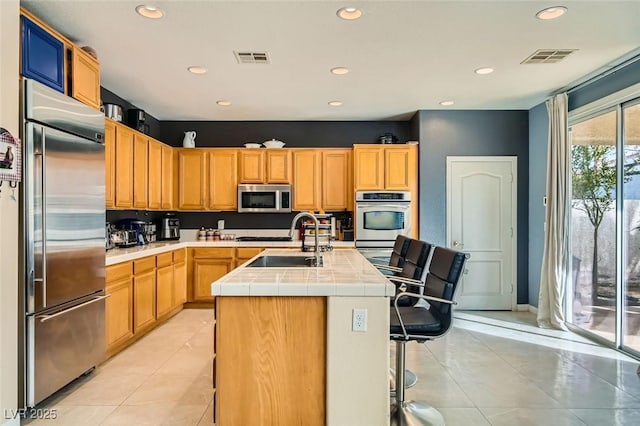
x=62 y=238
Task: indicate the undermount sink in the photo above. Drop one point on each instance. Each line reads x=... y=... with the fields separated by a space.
x=281 y=262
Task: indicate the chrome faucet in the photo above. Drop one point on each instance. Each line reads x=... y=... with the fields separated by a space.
x=317 y=261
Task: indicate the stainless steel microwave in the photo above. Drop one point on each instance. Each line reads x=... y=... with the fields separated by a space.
x=264 y=198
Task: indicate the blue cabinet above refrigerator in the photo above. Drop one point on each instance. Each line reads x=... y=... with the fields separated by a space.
x=42 y=55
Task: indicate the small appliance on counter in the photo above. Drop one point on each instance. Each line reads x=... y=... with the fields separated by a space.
x=141 y=228
x=169 y=227
x=124 y=238
x=109 y=244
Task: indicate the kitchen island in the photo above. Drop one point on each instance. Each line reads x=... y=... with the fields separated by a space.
x=285 y=349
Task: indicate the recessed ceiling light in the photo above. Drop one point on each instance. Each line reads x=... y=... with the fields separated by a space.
x=483 y=71
x=349 y=13
x=197 y=70
x=339 y=70
x=150 y=12
x=551 y=13
x=224 y=103
x=335 y=103
x=446 y=103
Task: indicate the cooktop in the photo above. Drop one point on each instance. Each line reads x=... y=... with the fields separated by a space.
x=263 y=239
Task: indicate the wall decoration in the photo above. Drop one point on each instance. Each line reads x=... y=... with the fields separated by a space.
x=10 y=157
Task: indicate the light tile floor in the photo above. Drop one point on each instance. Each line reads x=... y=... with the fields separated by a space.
x=493 y=368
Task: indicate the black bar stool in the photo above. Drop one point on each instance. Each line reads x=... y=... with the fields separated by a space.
x=421 y=323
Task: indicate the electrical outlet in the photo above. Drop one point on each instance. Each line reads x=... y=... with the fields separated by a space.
x=359 y=320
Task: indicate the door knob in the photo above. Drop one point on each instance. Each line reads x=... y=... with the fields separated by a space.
x=458 y=244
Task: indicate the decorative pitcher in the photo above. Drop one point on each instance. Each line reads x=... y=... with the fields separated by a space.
x=189 y=140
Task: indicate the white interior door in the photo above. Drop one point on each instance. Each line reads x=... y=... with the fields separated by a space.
x=481 y=220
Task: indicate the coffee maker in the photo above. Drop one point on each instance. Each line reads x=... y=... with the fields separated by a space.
x=169 y=227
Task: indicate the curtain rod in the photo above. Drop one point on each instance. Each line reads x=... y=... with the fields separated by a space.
x=572 y=87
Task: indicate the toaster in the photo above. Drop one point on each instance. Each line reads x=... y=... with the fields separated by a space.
x=124 y=237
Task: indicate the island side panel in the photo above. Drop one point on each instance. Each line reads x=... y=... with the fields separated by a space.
x=270 y=360
x=357 y=362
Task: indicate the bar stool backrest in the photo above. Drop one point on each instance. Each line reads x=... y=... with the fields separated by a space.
x=414 y=268
x=399 y=252
x=445 y=270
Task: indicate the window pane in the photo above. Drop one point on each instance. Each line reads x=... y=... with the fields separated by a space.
x=593 y=163
x=631 y=227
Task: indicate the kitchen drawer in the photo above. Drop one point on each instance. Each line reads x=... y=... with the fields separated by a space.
x=248 y=252
x=164 y=259
x=119 y=271
x=143 y=265
x=179 y=256
x=213 y=252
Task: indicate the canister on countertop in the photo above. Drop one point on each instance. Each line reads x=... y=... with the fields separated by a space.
x=210 y=234
x=216 y=235
x=202 y=234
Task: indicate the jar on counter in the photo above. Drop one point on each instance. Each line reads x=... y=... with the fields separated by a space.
x=209 y=234
x=216 y=235
x=202 y=234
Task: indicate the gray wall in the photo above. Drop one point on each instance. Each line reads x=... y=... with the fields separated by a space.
x=538 y=136
x=445 y=133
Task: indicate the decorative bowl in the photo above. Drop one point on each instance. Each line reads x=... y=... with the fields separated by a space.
x=252 y=145
x=273 y=143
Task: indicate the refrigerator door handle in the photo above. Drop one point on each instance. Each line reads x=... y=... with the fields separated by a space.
x=43 y=218
x=44 y=318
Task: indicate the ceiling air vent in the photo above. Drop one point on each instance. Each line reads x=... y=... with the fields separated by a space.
x=252 y=57
x=548 y=56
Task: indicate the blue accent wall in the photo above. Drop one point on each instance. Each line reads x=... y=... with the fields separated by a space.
x=449 y=133
x=538 y=146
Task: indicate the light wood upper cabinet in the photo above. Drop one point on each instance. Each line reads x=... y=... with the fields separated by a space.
x=278 y=166
x=166 y=197
x=192 y=179
x=306 y=179
x=400 y=171
x=385 y=167
x=109 y=163
x=223 y=179
x=85 y=77
x=154 y=193
x=140 y=170
x=124 y=167
x=368 y=167
x=337 y=189
x=252 y=168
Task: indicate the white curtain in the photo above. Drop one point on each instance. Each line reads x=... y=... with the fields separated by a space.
x=554 y=275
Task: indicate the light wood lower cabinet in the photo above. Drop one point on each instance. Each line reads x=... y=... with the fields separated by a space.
x=206 y=266
x=270 y=349
x=144 y=293
x=119 y=305
x=245 y=253
x=164 y=284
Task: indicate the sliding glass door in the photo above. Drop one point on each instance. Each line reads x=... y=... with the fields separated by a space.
x=593 y=224
x=604 y=296
x=631 y=226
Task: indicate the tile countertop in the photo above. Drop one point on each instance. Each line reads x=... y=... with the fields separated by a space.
x=118 y=255
x=345 y=273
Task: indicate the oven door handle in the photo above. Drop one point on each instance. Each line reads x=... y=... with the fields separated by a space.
x=392 y=206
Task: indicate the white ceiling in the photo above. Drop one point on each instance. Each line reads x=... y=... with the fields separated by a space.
x=403 y=55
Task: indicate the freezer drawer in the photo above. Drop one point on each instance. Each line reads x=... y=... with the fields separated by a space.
x=62 y=345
